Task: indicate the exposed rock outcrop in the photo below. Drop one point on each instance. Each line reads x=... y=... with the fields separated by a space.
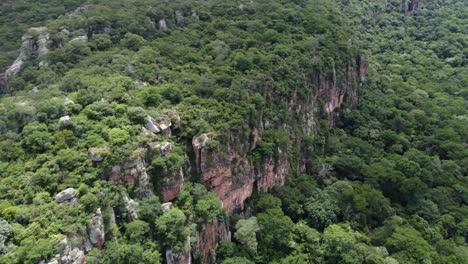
x=232 y=175
x=413 y=5
x=172 y=185
x=80 y=39
x=163 y=124
x=96 y=231
x=98 y=154
x=68 y=254
x=208 y=240
x=134 y=173
x=337 y=92
x=226 y=167
x=179 y=258
x=273 y=172
x=166 y=206
x=64 y=120
x=162 y=25
x=35 y=41
x=67 y=196
x=131 y=207
x=180 y=20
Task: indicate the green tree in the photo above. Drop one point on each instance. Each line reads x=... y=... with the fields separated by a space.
x=132 y=41
x=246 y=234
x=118 y=136
x=172 y=227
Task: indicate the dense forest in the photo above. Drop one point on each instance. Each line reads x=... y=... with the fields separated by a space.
x=233 y=132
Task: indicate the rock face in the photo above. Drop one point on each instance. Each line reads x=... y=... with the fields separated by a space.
x=180 y=258
x=208 y=238
x=163 y=25
x=34 y=42
x=131 y=207
x=413 y=5
x=96 y=230
x=68 y=255
x=134 y=173
x=226 y=166
x=233 y=175
x=180 y=20
x=338 y=92
x=66 y=196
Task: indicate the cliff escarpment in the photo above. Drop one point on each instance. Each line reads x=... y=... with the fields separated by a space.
x=160 y=125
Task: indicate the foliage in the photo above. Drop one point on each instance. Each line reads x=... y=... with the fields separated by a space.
x=386 y=184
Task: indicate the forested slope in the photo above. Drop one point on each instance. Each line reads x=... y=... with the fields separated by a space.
x=306 y=131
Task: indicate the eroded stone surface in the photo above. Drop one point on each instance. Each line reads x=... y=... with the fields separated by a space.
x=96 y=232
x=66 y=196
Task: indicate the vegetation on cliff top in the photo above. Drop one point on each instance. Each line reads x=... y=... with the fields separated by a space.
x=387 y=184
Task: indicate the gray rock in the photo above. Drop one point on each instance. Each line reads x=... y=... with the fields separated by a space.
x=160 y=148
x=64 y=120
x=80 y=39
x=179 y=258
x=134 y=173
x=165 y=127
x=96 y=229
x=151 y=126
x=195 y=15
x=36 y=40
x=112 y=220
x=131 y=206
x=81 y=9
x=87 y=246
x=68 y=101
x=200 y=141
x=42 y=44
x=166 y=206
x=67 y=255
x=65 y=32
x=162 y=25
x=43 y=64
x=139 y=83
x=75 y=256
x=98 y=154
x=67 y=195
x=179 y=18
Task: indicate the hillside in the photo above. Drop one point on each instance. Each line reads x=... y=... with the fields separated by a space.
x=305 y=131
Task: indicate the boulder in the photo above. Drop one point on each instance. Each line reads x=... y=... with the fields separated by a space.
x=195 y=15
x=162 y=25
x=64 y=120
x=151 y=126
x=160 y=148
x=68 y=101
x=66 y=196
x=165 y=127
x=166 y=206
